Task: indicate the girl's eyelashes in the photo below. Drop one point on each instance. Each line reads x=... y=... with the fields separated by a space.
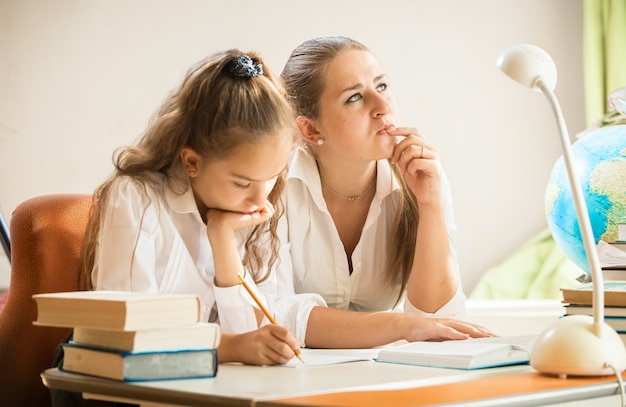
x=381 y=87
x=242 y=186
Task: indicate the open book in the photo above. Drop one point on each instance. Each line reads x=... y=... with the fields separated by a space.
x=612 y=255
x=318 y=357
x=473 y=353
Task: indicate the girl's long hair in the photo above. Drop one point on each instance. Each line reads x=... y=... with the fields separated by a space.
x=213 y=111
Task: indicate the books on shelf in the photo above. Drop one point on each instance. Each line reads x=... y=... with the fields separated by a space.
x=116 y=310
x=473 y=353
x=614 y=294
x=139 y=366
x=201 y=335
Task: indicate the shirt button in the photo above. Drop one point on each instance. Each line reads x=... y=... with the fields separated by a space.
x=358 y=265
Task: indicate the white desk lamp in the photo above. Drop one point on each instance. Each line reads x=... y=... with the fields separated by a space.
x=578 y=345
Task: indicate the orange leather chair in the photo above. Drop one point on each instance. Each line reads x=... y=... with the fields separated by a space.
x=46 y=236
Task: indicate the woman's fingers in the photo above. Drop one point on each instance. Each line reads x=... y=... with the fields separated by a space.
x=437 y=329
x=412 y=146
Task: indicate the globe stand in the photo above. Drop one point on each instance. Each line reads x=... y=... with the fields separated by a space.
x=576 y=344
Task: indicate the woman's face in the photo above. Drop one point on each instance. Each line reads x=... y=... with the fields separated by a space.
x=355 y=108
x=242 y=181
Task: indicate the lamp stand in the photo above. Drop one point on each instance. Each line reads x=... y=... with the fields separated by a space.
x=579 y=344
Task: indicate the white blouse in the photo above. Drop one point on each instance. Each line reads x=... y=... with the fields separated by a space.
x=317 y=261
x=155 y=245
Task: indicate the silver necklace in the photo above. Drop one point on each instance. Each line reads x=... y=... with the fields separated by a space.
x=352 y=198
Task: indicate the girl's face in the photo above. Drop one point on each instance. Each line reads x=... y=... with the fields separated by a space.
x=356 y=106
x=242 y=181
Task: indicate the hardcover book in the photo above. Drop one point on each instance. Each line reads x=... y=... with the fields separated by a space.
x=473 y=353
x=139 y=366
x=582 y=309
x=116 y=310
x=201 y=335
x=614 y=294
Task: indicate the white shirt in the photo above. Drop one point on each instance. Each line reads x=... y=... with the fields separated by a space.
x=148 y=244
x=317 y=262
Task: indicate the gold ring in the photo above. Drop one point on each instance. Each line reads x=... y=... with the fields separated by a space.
x=422 y=152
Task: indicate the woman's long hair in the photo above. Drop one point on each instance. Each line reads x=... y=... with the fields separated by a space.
x=303 y=77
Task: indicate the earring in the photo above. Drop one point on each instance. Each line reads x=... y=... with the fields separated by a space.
x=320 y=141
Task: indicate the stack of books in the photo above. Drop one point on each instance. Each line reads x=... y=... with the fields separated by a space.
x=612 y=258
x=132 y=336
x=578 y=301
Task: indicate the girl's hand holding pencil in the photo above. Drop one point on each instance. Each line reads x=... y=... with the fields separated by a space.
x=270 y=317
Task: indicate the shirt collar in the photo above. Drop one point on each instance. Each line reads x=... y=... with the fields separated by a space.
x=181 y=203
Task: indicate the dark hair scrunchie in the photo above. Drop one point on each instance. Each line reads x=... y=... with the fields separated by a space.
x=245 y=67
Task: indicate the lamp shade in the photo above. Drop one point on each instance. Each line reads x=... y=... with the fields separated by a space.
x=525 y=63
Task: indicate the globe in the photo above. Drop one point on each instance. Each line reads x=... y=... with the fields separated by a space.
x=600 y=162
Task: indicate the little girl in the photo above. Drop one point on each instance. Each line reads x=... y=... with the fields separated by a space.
x=195 y=203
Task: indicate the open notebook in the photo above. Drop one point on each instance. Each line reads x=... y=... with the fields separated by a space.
x=475 y=353
x=317 y=357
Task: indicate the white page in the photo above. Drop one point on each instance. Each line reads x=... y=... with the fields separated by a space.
x=317 y=357
x=525 y=342
x=610 y=256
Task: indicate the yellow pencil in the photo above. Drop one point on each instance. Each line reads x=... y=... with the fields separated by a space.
x=265 y=310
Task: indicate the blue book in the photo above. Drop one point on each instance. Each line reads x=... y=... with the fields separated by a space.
x=139 y=366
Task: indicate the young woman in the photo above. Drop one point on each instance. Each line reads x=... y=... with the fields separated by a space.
x=368 y=211
x=195 y=202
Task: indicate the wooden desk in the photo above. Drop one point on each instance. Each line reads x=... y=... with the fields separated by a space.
x=512 y=389
x=368 y=383
x=363 y=384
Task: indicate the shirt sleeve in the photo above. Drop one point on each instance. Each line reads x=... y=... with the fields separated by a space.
x=455 y=308
x=236 y=307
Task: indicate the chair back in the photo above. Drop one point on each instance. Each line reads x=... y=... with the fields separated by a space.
x=46 y=237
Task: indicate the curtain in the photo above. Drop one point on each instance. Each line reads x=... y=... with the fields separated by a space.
x=604 y=53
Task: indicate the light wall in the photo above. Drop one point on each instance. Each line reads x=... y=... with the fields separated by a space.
x=79 y=78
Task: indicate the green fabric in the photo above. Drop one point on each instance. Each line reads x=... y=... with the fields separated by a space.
x=536 y=270
x=604 y=53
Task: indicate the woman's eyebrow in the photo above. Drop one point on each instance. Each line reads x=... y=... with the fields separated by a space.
x=359 y=85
